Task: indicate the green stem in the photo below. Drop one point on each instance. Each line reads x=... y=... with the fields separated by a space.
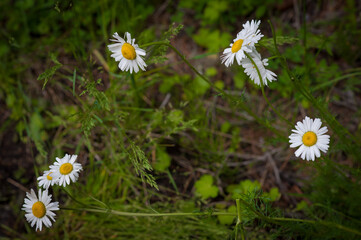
x=241 y=104
x=135 y=89
x=131 y=214
x=325 y=223
x=238 y=214
x=73 y=198
x=187 y=62
x=273 y=57
x=264 y=94
x=239 y=220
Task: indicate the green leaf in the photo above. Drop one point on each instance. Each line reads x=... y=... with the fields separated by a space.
x=239 y=80
x=273 y=194
x=243 y=187
x=36 y=125
x=228 y=220
x=213 y=11
x=219 y=84
x=213 y=40
x=269 y=43
x=170 y=81
x=159 y=51
x=35 y=128
x=163 y=160
x=205 y=188
x=157 y=118
x=141 y=164
x=261 y=10
x=48 y=74
x=301 y=205
x=198 y=87
x=211 y=72
x=225 y=127
x=175 y=116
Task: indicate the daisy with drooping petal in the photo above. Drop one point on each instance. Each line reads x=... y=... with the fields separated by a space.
x=39 y=209
x=66 y=169
x=245 y=40
x=251 y=71
x=47 y=179
x=129 y=55
x=310 y=137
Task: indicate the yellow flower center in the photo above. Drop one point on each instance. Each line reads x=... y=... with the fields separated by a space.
x=237 y=45
x=66 y=168
x=128 y=51
x=309 y=139
x=49 y=177
x=38 y=209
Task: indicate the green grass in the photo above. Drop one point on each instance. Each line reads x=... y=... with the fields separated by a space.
x=165 y=140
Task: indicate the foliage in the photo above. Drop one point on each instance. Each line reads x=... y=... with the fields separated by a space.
x=48 y=74
x=205 y=188
x=165 y=140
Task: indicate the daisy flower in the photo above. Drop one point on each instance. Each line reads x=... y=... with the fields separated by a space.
x=66 y=169
x=245 y=40
x=127 y=53
x=251 y=71
x=310 y=137
x=47 y=179
x=39 y=210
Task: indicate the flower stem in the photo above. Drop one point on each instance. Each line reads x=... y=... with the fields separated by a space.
x=132 y=214
x=73 y=198
x=239 y=220
x=264 y=94
x=135 y=89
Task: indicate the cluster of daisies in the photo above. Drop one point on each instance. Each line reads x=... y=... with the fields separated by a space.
x=39 y=209
x=308 y=136
x=130 y=55
x=245 y=43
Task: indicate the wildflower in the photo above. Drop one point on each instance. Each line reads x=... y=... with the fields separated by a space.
x=244 y=42
x=310 y=137
x=127 y=53
x=39 y=210
x=251 y=71
x=66 y=169
x=47 y=179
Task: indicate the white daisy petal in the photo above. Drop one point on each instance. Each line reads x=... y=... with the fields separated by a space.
x=312 y=154
x=316 y=125
x=310 y=138
x=140 y=52
x=323 y=130
x=39 y=224
x=303 y=154
x=67 y=180
x=302 y=149
x=317 y=151
x=295 y=144
x=251 y=70
x=38 y=212
x=33 y=221
x=300 y=127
